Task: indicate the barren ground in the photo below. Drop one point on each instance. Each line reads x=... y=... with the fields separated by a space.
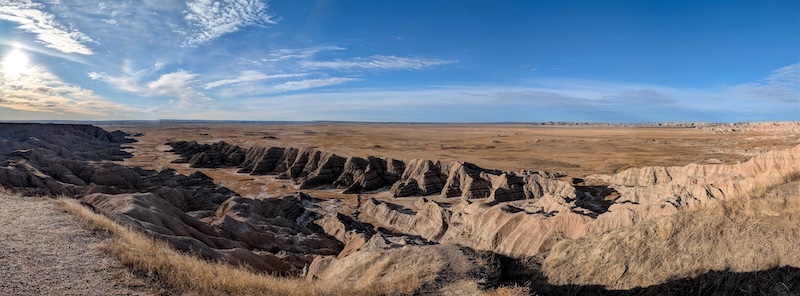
x=46 y=252
x=575 y=150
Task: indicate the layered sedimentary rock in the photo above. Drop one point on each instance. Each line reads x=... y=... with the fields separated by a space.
x=75 y=141
x=514 y=230
x=260 y=233
x=208 y=156
x=311 y=168
x=553 y=210
x=439 y=220
x=190 y=212
x=695 y=184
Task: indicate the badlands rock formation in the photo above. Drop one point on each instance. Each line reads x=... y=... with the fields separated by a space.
x=443 y=221
x=695 y=184
x=191 y=212
x=311 y=168
x=515 y=214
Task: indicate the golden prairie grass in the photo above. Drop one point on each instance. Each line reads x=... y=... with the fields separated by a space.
x=572 y=150
x=188 y=274
x=509 y=291
x=6 y=191
x=752 y=232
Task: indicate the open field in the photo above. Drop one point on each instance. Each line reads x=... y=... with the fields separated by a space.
x=577 y=151
x=308 y=209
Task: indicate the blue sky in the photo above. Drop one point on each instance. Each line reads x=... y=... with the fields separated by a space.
x=407 y=61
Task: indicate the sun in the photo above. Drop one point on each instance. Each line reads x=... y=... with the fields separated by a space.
x=15 y=64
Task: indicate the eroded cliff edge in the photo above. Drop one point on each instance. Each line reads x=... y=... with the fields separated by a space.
x=453 y=214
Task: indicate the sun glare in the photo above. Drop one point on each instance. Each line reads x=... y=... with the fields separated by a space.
x=15 y=64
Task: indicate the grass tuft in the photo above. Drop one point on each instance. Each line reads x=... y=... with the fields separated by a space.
x=509 y=291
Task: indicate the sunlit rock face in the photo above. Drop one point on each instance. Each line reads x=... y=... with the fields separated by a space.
x=518 y=214
x=440 y=220
x=311 y=168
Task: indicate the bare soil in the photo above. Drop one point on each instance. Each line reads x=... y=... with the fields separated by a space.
x=577 y=151
x=46 y=252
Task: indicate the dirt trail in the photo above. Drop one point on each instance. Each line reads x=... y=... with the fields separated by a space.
x=44 y=251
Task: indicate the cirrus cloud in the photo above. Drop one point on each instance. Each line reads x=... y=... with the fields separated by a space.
x=213 y=19
x=380 y=62
x=781 y=85
x=49 y=32
x=249 y=76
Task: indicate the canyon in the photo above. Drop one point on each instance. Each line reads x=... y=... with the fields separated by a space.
x=329 y=202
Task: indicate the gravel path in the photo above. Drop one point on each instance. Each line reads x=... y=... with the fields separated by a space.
x=44 y=251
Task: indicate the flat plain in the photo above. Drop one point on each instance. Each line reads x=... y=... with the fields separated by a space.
x=575 y=150
x=446 y=209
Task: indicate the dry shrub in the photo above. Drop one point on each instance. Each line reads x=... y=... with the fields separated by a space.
x=509 y=291
x=188 y=274
x=7 y=191
x=755 y=232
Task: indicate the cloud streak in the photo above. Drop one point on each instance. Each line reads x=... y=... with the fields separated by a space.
x=212 y=19
x=544 y=100
x=782 y=85
x=297 y=85
x=48 y=31
x=378 y=62
x=249 y=76
x=302 y=53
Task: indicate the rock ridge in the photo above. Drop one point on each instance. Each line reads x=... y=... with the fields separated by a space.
x=311 y=168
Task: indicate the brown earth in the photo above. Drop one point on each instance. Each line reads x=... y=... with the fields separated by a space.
x=680 y=170
x=46 y=252
x=577 y=151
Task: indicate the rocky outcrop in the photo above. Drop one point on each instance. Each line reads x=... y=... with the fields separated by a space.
x=208 y=156
x=190 y=212
x=500 y=228
x=695 y=184
x=37 y=142
x=271 y=225
x=553 y=210
x=369 y=174
x=238 y=234
x=262 y=160
x=41 y=159
x=440 y=221
x=311 y=168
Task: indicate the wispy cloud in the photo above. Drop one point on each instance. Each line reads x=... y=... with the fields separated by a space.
x=249 y=76
x=149 y=26
x=381 y=62
x=781 y=85
x=310 y=83
x=49 y=32
x=286 y=86
x=179 y=86
x=39 y=90
x=212 y=19
x=301 y=53
x=544 y=100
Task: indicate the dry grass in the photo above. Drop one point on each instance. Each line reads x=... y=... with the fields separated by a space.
x=509 y=291
x=572 y=150
x=7 y=191
x=187 y=274
x=759 y=231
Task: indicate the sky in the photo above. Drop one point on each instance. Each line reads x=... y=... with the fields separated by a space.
x=400 y=61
